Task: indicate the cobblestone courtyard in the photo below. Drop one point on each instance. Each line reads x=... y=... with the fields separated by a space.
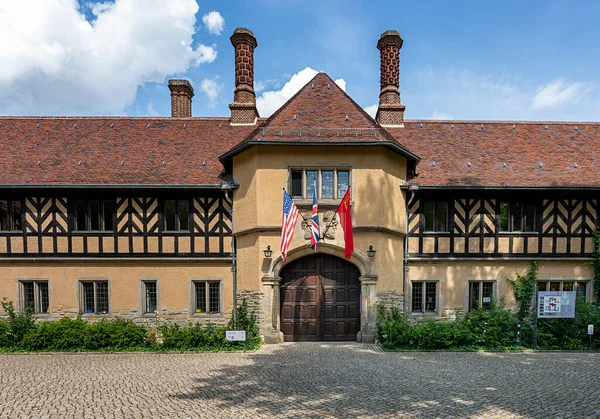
x=301 y=380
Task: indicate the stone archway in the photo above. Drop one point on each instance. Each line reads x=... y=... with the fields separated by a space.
x=271 y=327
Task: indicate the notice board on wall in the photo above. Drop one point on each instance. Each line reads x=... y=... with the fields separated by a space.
x=556 y=304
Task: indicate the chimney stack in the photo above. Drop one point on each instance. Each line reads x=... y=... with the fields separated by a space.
x=181 y=98
x=390 y=112
x=243 y=108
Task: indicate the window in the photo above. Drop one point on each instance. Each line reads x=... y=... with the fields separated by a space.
x=481 y=294
x=207 y=297
x=94 y=215
x=94 y=297
x=424 y=297
x=330 y=183
x=435 y=215
x=11 y=215
x=149 y=296
x=580 y=287
x=517 y=217
x=35 y=295
x=176 y=215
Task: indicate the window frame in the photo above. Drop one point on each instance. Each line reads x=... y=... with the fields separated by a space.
x=319 y=169
x=589 y=284
x=435 y=220
x=144 y=296
x=194 y=282
x=423 y=285
x=480 y=296
x=522 y=217
x=178 y=228
x=81 y=296
x=37 y=307
x=10 y=217
x=102 y=216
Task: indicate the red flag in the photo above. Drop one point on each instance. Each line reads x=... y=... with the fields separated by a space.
x=344 y=210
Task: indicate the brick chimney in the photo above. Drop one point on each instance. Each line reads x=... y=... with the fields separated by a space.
x=181 y=98
x=390 y=112
x=243 y=108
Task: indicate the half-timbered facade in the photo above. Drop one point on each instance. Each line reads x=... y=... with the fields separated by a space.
x=174 y=218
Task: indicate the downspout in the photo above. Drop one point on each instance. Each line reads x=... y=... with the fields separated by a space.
x=413 y=190
x=226 y=187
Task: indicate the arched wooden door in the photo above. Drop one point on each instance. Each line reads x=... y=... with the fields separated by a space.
x=320 y=299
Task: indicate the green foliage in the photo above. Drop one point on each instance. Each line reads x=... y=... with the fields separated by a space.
x=489 y=329
x=524 y=289
x=19 y=323
x=596 y=261
x=20 y=332
x=492 y=328
x=395 y=331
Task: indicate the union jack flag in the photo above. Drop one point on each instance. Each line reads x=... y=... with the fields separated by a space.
x=314 y=225
x=288 y=223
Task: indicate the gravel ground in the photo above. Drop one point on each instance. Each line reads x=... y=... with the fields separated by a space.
x=302 y=380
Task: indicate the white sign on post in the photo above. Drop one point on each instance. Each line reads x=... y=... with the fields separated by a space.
x=590 y=329
x=556 y=304
x=235 y=335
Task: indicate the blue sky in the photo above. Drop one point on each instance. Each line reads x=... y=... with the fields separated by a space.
x=514 y=60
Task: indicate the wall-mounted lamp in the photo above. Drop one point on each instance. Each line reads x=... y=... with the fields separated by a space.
x=371 y=252
x=268 y=252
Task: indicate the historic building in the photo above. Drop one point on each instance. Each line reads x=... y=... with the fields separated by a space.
x=168 y=218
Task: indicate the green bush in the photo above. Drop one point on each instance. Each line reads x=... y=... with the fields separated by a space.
x=20 y=332
x=493 y=327
x=19 y=323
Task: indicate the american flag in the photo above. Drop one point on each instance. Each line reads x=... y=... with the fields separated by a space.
x=288 y=223
x=314 y=226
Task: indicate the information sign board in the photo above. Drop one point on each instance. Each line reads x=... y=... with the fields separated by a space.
x=235 y=335
x=590 y=329
x=556 y=304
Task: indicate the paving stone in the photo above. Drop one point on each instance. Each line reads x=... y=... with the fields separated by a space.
x=307 y=380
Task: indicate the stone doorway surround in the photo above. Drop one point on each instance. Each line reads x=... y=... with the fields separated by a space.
x=271 y=281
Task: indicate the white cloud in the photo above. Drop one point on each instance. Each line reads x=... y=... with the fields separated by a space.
x=556 y=93
x=54 y=61
x=211 y=89
x=270 y=101
x=214 y=22
x=440 y=115
x=259 y=86
x=463 y=94
x=372 y=110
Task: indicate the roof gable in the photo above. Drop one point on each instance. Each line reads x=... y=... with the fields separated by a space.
x=320 y=113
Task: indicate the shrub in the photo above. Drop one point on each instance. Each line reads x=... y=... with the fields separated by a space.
x=62 y=335
x=19 y=323
x=492 y=328
x=4 y=330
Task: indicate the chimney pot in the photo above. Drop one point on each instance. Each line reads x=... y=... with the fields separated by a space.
x=181 y=98
x=243 y=108
x=390 y=111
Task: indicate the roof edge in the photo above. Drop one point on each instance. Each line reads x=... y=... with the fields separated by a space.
x=500 y=187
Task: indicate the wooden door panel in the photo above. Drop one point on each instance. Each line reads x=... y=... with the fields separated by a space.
x=320 y=299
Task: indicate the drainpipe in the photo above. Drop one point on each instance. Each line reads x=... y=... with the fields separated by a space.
x=226 y=187
x=413 y=190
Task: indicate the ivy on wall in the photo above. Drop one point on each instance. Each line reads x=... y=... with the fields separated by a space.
x=524 y=289
x=596 y=261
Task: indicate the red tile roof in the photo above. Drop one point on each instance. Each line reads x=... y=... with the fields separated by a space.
x=114 y=151
x=504 y=154
x=320 y=112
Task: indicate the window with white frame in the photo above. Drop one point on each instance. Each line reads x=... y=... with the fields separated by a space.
x=424 y=297
x=149 y=296
x=580 y=287
x=206 y=297
x=93 y=296
x=481 y=294
x=35 y=295
x=331 y=183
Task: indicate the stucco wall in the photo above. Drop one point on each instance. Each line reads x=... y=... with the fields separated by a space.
x=454 y=277
x=124 y=285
